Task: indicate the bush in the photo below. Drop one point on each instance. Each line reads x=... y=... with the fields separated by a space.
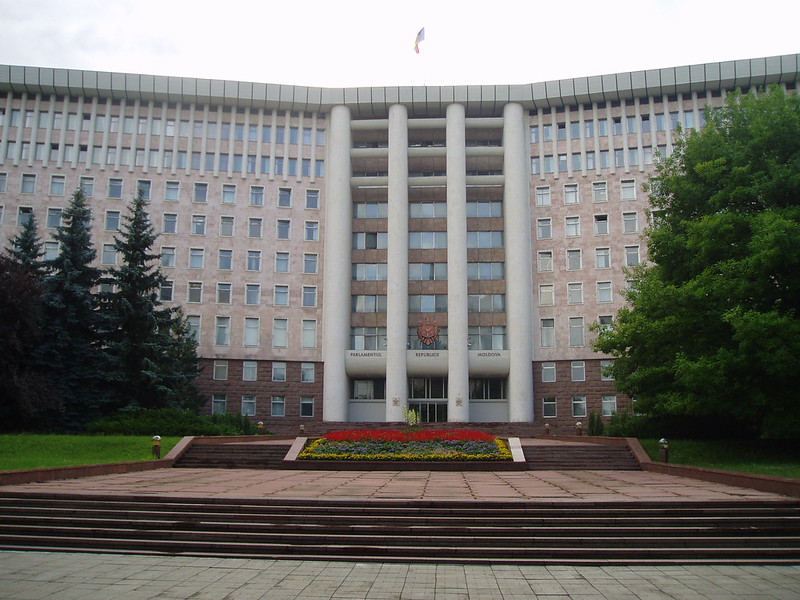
x=595 y=424
x=695 y=427
x=170 y=422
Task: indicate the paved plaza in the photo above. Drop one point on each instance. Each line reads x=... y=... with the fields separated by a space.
x=82 y=576
x=67 y=576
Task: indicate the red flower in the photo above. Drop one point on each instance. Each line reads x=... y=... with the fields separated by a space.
x=390 y=435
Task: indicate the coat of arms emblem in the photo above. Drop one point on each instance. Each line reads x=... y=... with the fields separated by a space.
x=427 y=332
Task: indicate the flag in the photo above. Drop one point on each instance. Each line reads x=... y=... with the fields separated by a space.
x=420 y=37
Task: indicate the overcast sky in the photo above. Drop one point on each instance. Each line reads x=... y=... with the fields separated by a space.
x=347 y=43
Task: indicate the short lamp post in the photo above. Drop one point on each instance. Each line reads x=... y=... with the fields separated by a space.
x=579 y=428
x=156 y=446
x=547 y=428
x=663 y=450
x=260 y=426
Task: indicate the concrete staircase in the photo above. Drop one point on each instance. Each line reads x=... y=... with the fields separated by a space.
x=234 y=456
x=537 y=533
x=586 y=457
x=555 y=457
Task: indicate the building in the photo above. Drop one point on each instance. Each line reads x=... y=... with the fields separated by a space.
x=346 y=254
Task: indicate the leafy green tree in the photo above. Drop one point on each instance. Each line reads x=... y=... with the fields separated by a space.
x=712 y=327
x=153 y=360
x=71 y=351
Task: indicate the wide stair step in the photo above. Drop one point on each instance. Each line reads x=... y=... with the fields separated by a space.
x=580 y=457
x=571 y=532
x=233 y=456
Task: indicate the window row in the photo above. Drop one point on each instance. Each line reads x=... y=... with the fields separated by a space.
x=227 y=227
x=572 y=225
x=249 y=406
x=207 y=129
x=225 y=260
x=488 y=337
x=571 y=192
x=604 y=159
x=225 y=293
x=428 y=271
x=547 y=293
x=172 y=190
x=250 y=371
x=608 y=406
x=574 y=258
x=251 y=332
x=622 y=125
x=575 y=331
x=429 y=303
x=164 y=159
x=577 y=371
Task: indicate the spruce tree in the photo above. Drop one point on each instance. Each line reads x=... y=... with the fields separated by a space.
x=71 y=350
x=153 y=361
x=26 y=249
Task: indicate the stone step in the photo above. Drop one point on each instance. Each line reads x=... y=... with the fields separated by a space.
x=663 y=532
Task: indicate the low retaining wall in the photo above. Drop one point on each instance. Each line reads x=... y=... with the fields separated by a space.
x=77 y=472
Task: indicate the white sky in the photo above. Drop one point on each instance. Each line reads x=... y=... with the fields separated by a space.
x=343 y=43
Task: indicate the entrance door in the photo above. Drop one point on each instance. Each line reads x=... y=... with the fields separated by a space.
x=430 y=412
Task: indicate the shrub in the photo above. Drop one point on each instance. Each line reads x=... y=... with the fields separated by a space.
x=170 y=422
x=596 y=425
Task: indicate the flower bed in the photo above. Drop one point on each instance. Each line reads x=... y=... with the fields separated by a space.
x=423 y=445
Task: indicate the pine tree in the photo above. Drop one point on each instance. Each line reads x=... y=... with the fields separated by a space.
x=26 y=249
x=71 y=350
x=154 y=362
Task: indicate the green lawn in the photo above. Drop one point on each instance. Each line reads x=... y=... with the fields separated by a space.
x=27 y=451
x=24 y=451
x=779 y=458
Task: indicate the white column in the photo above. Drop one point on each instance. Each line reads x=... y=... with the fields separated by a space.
x=397 y=284
x=338 y=242
x=519 y=287
x=457 y=317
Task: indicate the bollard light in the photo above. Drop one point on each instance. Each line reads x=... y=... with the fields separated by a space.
x=260 y=426
x=157 y=446
x=547 y=428
x=663 y=445
x=579 y=428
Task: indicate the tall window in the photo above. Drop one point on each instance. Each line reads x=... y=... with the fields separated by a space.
x=284 y=227
x=115 y=187
x=548 y=372
x=310 y=263
x=281 y=262
x=201 y=192
x=228 y=193
x=198 y=224
x=600 y=191
x=544 y=229
x=257 y=195
x=312 y=198
x=226 y=224
x=574 y=259
x=285 y=197
x=252 y=331
x=543 y=196
x=252 y=294
x=279 y=371
x=249 y=370
x=544 y=261
x=168 y=256
x=225 y=262
x=307 y=372
x=576 y=331
x=224 y=293
x=28 y=185
x=172 y=191
x=312 y=231
x=280 y=333
x=223 y=331
x=58 y=185
x=548 y=333
x=573 y=226
x=254 y=260
x=170 y=223
x=571 y=193
x=281 y=295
